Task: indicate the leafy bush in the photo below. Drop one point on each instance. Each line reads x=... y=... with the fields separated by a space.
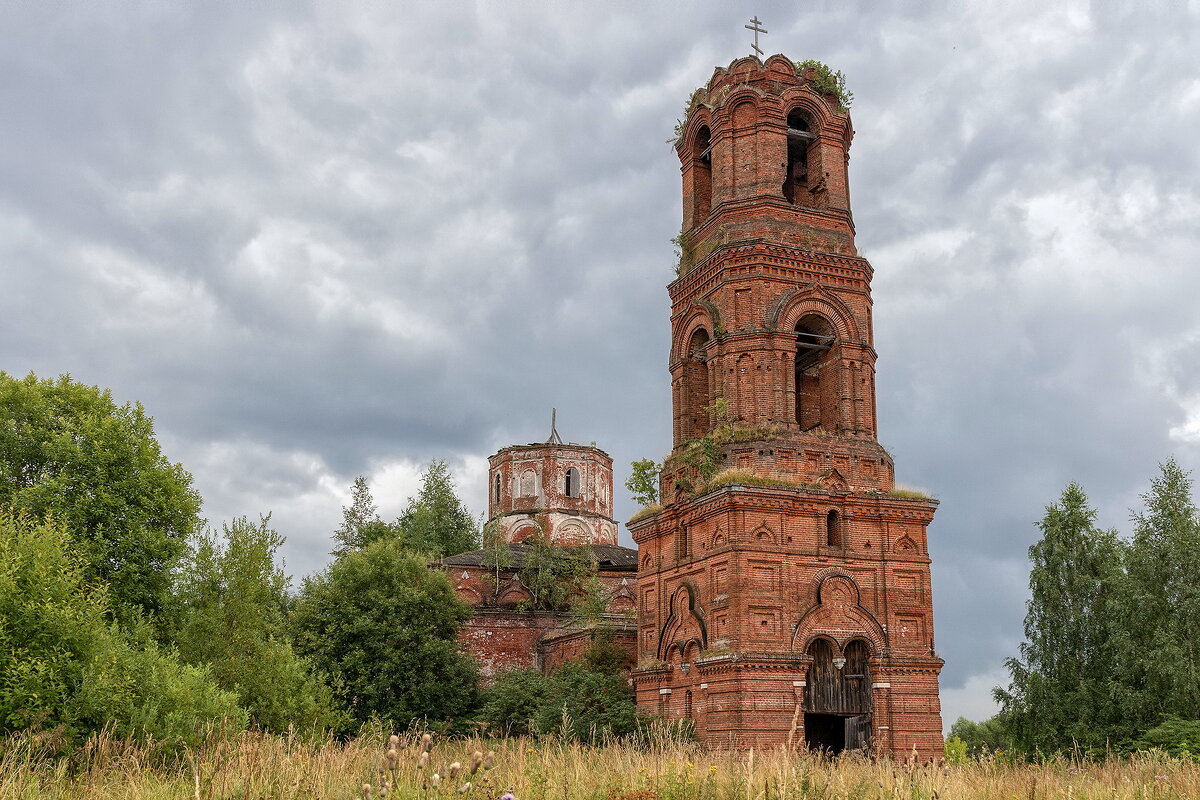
x=512 y=705
x=578 y=702
x=1179 y=737
x=827 y=81
x=64 y=665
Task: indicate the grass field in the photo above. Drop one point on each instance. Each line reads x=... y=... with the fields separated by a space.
x=260 y=766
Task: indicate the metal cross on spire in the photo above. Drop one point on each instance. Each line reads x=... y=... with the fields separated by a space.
x=756 y=26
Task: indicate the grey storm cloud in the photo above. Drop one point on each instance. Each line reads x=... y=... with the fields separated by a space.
x=322 y=240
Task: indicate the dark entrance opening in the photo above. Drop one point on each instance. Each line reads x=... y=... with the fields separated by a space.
x=825 y=732
x=838 y=698
x=834 y=733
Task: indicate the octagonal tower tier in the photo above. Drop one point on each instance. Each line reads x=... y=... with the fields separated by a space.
x=562 y=492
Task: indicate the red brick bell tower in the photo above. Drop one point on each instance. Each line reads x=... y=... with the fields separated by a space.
x=784 y=590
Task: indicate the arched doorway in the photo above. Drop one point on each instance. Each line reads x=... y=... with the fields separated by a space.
x=837 y=701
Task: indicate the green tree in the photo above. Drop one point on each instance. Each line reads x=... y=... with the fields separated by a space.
x=436 y=521
x=981 y=738
x=643 y=481
x=231 y=598
x=64 y=664
x=383 y=626
x=69 y=450
x=557 y=578
x=1160 y=630
x=1062 y=685
x=361 y=524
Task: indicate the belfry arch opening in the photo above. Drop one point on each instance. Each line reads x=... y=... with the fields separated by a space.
x=701 y=175
x=816 y=375
x=801 y=142
x=695 y=386
x=837 y=701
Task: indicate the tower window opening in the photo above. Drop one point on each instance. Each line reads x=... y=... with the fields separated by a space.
x=833 y=530
x=701 y=175
x=496 y=489
x=817 y=384
x=571 y=483
x=797 y=186
x=695 y=387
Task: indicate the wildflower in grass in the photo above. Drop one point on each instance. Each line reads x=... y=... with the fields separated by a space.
x=454 y=768
x=508 y=795
x=422 y=760
x=476 y=762
x=466 y=787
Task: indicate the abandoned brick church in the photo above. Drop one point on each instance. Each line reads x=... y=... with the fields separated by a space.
x=782 y=590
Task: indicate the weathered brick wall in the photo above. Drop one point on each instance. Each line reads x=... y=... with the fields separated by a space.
x=504 y=634
x=527 y=487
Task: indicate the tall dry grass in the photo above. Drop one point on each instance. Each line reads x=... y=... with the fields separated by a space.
x=255 y=766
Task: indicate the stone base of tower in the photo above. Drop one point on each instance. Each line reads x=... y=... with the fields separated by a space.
x=758 y=700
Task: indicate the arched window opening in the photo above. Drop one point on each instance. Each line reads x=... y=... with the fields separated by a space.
x=496 y=489
x=571 y=483
x=798 y=187
x=701 y=175
x=687 y=704
x=833 y=529
x=816 y=375
x=695 y=387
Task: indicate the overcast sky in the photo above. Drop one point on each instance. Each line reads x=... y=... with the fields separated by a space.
x=317 y=241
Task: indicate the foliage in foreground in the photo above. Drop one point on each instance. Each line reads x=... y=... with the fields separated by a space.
x=254 y=765
x=588 y=700
x=66 y=668
x=383 y=626
x=230 y=615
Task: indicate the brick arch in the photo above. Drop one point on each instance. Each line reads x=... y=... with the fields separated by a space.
x=839 y=615
x=701 y=316
x=764 y=533
x=743 y=94
x=795 y=305
x=780 y=63
x=573 y=532
x=684 y=624
x=813 y=105
x=701 y=116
